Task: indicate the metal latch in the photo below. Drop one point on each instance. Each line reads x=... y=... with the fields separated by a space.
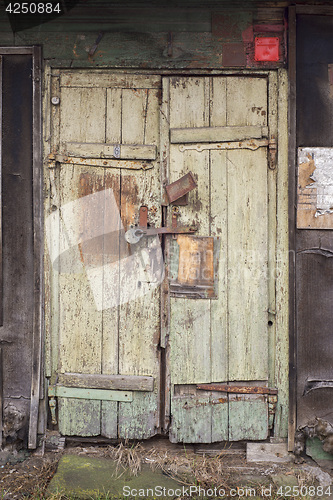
x=135 y=234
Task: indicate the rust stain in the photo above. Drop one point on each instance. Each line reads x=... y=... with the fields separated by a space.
x=236 y=389
x=196 y=261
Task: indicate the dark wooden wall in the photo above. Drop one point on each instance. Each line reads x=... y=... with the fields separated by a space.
x=17 y=224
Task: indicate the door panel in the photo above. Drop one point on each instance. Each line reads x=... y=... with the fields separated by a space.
x=223 y=339
x=108 y=316
x=106 y=297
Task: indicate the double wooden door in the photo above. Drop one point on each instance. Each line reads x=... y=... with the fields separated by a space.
x=136 y=330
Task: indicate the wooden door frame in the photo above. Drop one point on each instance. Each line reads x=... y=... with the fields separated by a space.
x=293 y=12
x=282 y=78
x=37 y=194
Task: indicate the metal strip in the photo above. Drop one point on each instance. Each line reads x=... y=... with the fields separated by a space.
x=38 y=316
x=96 y=394
x=95 y=162
x=252 y=144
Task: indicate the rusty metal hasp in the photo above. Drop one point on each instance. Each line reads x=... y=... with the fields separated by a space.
x=179 y=188
x=237 y=389
x=135 y=234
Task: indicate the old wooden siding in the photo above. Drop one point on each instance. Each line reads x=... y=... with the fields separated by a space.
x=82 y=337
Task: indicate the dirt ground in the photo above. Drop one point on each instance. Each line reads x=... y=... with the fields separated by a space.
x=29 y=476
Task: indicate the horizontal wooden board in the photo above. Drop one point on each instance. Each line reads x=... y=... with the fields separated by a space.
x=125 y=151
x=217 y=134
x=103 y=79
x=96 y=394
x=119 y=382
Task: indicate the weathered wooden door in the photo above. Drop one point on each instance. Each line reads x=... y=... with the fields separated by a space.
x=222 y=290
x=104 y=364
x=128 y=344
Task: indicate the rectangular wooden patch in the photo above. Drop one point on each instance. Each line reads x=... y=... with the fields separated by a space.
x=193 y=267
x=118 y=382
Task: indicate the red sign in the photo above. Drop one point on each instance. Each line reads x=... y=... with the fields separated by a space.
x=266 y=49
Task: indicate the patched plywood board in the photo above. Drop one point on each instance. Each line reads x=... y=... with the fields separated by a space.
x=315 y=188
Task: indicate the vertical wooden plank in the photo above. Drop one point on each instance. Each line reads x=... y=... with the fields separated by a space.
x=110 y=339
x=138 y=344
x=247 y=264
x=53 y=175
x=134 y=113
x=190 y=320
x=82 y=115
x=272 y=226
x=190 y=341
x=220 y=417
x=246 y=101
x=165 y=409
x=219 y=227
x=282 y=285
x=292 y=222
x=38 y=313
x=47 y=210
x=83 y=119
x=80 y=323
x=247 y=236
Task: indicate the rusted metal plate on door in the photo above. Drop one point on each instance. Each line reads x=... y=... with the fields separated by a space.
x=194 y=267
x=181 y=187
x=315 y=188
x=236 y=389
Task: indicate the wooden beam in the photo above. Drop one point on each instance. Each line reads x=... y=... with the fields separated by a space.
x=118 y=382
x=109 y=80
x=118 y=151
x=217 y=134
x=95 y=394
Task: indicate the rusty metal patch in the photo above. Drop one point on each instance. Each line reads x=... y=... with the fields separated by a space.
x=180 y=187
x=236 y=389
x=194 y=267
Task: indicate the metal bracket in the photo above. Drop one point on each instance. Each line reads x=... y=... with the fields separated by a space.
x=272 y=148
x=116 y=151
x=252 y=144
x=135 y=234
